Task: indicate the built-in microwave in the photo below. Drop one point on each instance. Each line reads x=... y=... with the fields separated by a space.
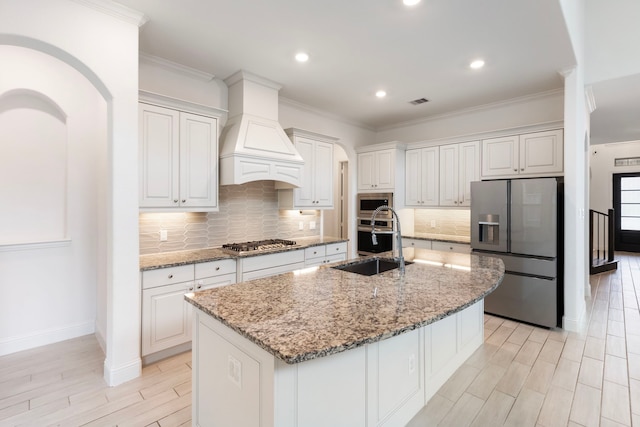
x=369 y=202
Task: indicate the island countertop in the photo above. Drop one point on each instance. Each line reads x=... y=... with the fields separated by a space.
x=321 y=311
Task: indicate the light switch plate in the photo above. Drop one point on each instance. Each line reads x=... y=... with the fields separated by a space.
x=433 y=223
x=312 y=225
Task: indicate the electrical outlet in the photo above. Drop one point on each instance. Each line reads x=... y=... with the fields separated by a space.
x=433 y=223
x=312 y=225
x=235 y=370
x=301 y=225
x=163 y=235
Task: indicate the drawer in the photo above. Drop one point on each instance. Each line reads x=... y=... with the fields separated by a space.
x=272 y=260
x=451 y=247
x=315 y=252
x=215 y=268
x=167 y=276
x=416 y=243
x=336 y=248
x=215 y=281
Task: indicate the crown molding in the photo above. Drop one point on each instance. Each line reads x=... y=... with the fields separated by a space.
x=175 y=67
x=323 y=113
x=117 y=10
x=179 y=104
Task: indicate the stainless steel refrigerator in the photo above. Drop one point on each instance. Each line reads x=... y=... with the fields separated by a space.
x=521 y=222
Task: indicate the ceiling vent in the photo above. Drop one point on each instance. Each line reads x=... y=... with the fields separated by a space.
x=419 y=101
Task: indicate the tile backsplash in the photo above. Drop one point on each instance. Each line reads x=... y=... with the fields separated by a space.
x=247 y=212
x=449 y=222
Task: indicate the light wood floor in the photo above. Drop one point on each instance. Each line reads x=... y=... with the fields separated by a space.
x=521 y=376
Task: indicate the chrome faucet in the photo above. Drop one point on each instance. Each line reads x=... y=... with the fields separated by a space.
x=398 y=232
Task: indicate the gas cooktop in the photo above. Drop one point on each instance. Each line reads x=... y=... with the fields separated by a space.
x=258 y=245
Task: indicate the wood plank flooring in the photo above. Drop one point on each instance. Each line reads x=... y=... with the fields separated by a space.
x=521 y=376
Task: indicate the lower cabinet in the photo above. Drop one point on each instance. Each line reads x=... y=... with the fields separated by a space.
x=236 y=382
x=416 y=243
x=325 y=254
x=463 y=248
x=166 y=317
x=260 y=266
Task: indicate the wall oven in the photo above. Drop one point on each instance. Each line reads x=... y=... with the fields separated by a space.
x=367 y=203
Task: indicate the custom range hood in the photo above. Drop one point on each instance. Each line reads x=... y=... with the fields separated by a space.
x=254 y=146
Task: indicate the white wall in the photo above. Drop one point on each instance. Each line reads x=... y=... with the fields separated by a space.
x=102 y=46
x=541 y=108
x=48 y=292
x=602 y=168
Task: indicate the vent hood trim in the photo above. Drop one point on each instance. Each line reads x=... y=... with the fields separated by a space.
x=256 y=148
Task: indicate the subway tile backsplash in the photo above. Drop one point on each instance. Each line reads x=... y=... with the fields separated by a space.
x=247 y=212
x=448 y=222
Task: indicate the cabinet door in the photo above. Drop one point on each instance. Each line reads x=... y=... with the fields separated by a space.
x=413 y=178
x=166 y=317
x=385 y=170
x=366 y=165
x=198 y=161
x=500 y=156
x=158 y=151
x=304 y=196
x=468 y=170
x=323 y=174
x=430 y=176
x=449 y=175
x=541 y=153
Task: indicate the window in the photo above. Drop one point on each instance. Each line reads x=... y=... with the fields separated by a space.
x=626 y=203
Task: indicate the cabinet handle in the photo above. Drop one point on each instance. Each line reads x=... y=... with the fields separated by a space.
x=171 y=276
x=515 y=170
x=184 y=200
x=199 y=286
x=455 y=202
x=190 y=288
x=217 y=268
x=175 y=200
x=522 y=169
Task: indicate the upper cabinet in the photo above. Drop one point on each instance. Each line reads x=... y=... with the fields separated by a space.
x=441 y=176
x=459 y=166
x=532 y=154
x=178 y=160
x=422 y=169
x=316 y=189
x=381 y=167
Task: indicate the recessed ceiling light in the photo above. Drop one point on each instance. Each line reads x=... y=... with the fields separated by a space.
x=410 y=2
x=302 y=57
x=381 y=94
x=477 y=64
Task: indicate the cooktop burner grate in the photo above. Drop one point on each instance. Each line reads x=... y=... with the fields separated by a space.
x=258 y=245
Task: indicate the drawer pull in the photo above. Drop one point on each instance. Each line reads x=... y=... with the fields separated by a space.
x=190 y=288
x=171 y=276
x=199 y=286
x=217 y=268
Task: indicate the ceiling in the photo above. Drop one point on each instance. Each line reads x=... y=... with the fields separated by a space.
x=357 y=47
x=617 y=114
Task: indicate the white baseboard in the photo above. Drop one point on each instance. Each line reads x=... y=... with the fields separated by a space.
x=100 y=336
x=117 y=375
x=576 y=325
x=49 y=336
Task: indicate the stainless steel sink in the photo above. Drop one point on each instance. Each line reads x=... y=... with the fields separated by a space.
x=371 y=267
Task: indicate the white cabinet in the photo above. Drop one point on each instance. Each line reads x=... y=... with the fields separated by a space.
x=532 y=154
x=422 y=169
x=178 y=160
x=316 y=189
x=381 y=168
x=459 y=166
x=166 y=317
x=325 y=254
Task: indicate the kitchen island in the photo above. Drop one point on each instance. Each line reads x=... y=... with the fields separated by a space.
x=329 y=347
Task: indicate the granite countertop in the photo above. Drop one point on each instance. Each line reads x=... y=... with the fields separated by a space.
x=438 y=237
x=313 y=313
x=194 y=256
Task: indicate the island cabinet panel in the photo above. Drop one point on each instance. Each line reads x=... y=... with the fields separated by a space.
x=381 y=384
x=449 y=343
x=396 y=379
